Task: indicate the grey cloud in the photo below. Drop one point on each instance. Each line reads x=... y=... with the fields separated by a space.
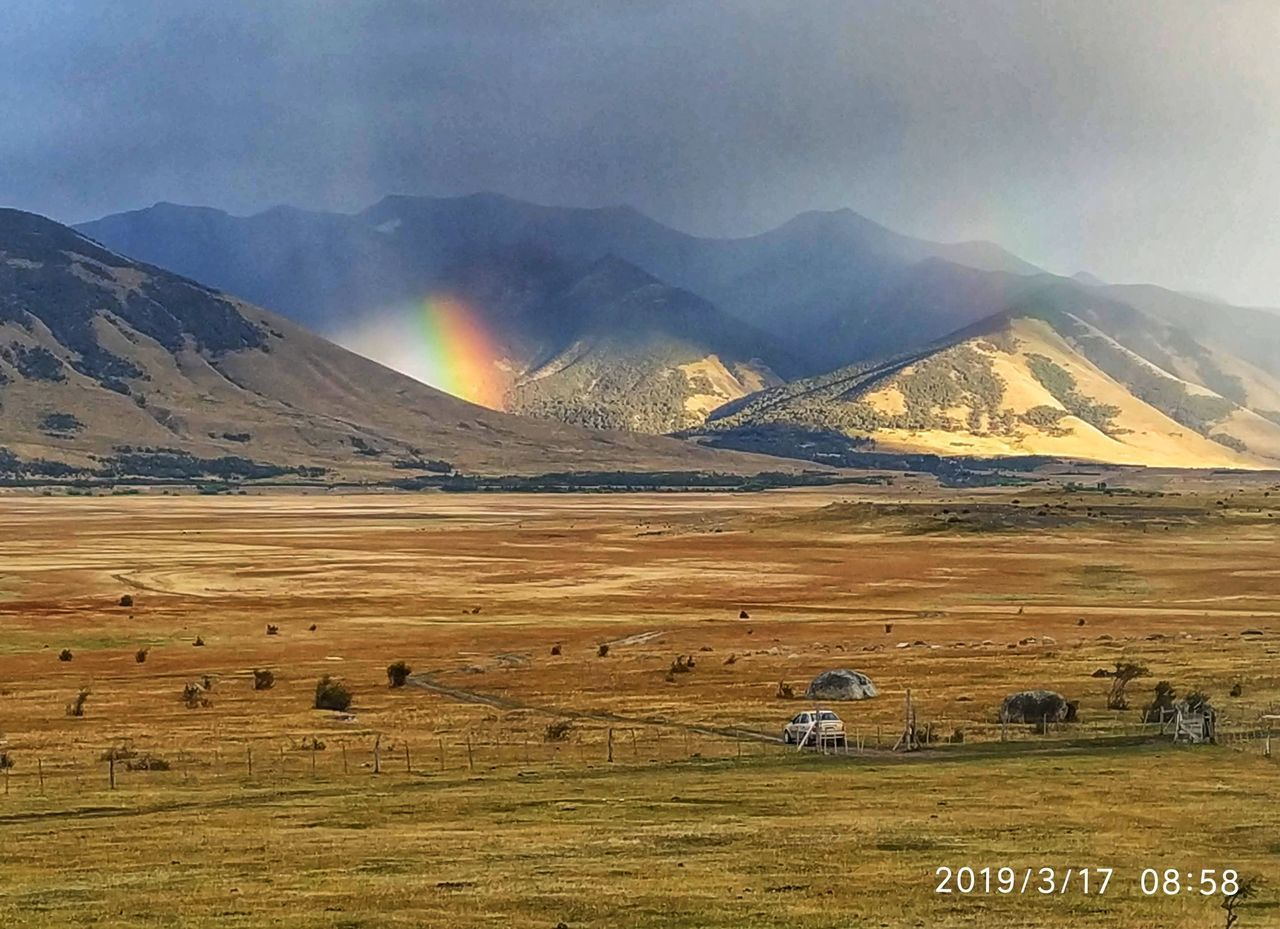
x=1091 y=134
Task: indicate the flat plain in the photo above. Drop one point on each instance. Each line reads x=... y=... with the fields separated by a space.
x=528 y=776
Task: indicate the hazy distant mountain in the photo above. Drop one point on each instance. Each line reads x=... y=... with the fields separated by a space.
x=608 y=317
x=330 y=271
x=119 y=367
x=1062 y=373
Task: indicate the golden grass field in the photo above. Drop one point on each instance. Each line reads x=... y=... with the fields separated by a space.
x=687 y=826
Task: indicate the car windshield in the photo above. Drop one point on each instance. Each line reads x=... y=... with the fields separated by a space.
x=828 y=715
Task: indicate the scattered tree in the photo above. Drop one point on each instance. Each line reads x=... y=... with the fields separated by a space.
x=1246 y=888
x=1161 y=708
x=397 y=673
x=76 y=706
x=332 y=695
x=1124 y=672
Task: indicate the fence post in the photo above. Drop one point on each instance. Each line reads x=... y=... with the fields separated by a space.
x=313 y=756
x=635 y=747
x=377 y=754
x=111 y=769
x=610 y=743
x=345 y=770
x=248 y=753
x=40 y=772
x=408 y=765
x=471 y=761
x=441 y=743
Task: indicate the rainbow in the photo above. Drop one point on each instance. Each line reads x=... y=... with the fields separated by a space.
x=439 y=340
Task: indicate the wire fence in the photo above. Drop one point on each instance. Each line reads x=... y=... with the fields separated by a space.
x=147 y=763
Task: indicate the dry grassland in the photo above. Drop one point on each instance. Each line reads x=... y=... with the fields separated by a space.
x=697 y=822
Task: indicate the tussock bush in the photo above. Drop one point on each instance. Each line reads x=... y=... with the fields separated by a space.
x=272 y=630
x=76 y=706
x=140 y=656
x=65 y=655
x=558 y=731
x=263 y=679
x=195 y=696
x=682 y=665
x=397 y=673
x=146 y=762
x=332 y=695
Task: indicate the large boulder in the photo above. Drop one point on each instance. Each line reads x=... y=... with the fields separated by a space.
x=841 y=685
x=1037 y=706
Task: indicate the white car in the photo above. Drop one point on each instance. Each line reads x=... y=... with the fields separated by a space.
x=807 y=725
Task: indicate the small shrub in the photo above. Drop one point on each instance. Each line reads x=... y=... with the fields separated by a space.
x=732 y=659
x=332 y=695
x=743 y=614
x=555 y=649
x=263 y=679
x=272 y=630
x=6 y=761
x=126 y=600
x=311 y=744
x=199 y=642
x=311 y=628
x=397 y=673
x=194 y=696
x=140 y=656
x=146 y=762
x=1237 y=689
x=682 y=665
x=558 y=731
x=65 y=655
x=118 y=753
x=784 y=691
x=603 y=650
x=76 y=706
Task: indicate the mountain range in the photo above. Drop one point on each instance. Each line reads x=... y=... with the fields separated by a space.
x=114 y=367
x=607 y=318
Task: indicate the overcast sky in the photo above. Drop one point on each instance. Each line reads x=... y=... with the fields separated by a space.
x=1136 y=140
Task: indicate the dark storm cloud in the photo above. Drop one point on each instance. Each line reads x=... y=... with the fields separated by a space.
x=1138 y=140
